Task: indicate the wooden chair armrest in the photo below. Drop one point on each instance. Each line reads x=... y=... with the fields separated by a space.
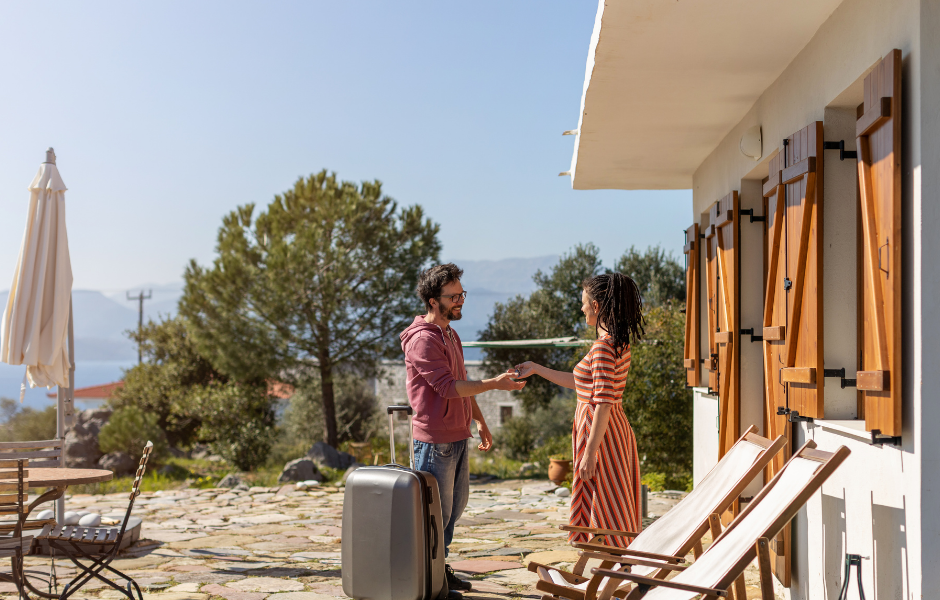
x=652 y=582
x=627 y=552
x=626 y=560
x=591 y=530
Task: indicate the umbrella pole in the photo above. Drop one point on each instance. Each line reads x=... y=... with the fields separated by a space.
x=65 y=399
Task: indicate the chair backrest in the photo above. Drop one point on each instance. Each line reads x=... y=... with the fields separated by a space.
x=678 y=530
x=41 y=455
x=14 y=486
x=138 y=477
x=765 y=517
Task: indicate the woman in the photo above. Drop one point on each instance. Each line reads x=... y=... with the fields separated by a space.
x=606 y=485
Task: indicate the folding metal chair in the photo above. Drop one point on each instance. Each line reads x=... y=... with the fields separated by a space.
x=13 y=491
x=41 y=454
x=98 y=546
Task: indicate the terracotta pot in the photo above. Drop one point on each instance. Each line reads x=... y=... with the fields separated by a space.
x=558 y=470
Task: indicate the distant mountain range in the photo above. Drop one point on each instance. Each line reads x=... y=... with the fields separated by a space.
x=101 y=319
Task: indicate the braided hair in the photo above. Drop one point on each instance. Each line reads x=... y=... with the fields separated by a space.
x=620 y=308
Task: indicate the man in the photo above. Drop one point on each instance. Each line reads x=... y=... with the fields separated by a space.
x=443 y=399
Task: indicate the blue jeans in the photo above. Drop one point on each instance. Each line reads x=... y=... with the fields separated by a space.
x=450 y=465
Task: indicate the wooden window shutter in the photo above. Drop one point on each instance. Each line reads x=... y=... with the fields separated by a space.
x=774 y=332
x=801 y=282
x=793 y=315
x=726 y=316
x=711 y=299
x=692 y=305
x=878 y=137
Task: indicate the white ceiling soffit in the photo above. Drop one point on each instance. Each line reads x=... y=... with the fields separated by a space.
x=666 y=81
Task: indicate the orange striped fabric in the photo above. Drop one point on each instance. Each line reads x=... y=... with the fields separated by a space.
x=611 y=499
x=601 y=376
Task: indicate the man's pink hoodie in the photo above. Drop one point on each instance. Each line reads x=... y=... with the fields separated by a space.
x=433 y=364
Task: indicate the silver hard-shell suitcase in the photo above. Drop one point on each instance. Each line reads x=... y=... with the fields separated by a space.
x=393 y=534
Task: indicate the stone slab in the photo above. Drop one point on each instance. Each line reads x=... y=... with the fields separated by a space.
x=230 y=594
x=486 y=586
x=176 y=596
x=500 y=552
x=301 y=596
x=215 y=541
x=266 y=518
x=514 y=515
x=266 y=584
x=483 y=566
x=552 y=556
x=514 y=577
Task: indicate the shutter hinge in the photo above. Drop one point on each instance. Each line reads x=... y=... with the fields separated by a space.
x=787 y=284
x=840 y=373
x=750 y=332
x=749 y=212
x=879 y=440
x=795 y=417
x=840 y=146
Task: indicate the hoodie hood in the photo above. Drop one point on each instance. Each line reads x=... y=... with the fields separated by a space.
x=420 y=325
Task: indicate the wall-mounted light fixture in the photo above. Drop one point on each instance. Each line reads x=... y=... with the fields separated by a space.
x=563 y=173
x=751 y=145
x=570 y=132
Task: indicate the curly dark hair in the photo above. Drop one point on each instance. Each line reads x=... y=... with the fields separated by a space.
x=432 y=281
x=620 y=308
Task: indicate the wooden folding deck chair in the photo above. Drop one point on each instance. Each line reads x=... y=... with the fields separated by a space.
x=14 y=485
x=42 y=454
x=748 y=536
x=673 y=535
x=96 y=545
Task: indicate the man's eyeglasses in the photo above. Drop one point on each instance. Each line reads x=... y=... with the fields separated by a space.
x=456 y=297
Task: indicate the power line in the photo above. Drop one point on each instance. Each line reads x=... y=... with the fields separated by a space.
x=140 y=320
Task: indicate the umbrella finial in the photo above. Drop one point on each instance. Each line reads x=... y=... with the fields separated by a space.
x=50 y=156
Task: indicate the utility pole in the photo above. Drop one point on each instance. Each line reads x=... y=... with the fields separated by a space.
x=140 y=319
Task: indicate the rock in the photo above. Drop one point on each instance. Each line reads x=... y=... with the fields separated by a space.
x=562 y=492
x=45 y=514
x=81 y=442
x=325 y=455
x=199 y=451
x=118 y=462
x=90 y=520
x=71 y=518
x=302 y=469
x=241 y=487
x=303 y=486
x=529 y=468
x=230 y=481
x=351 y=468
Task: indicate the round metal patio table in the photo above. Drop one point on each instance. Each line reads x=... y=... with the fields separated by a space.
x=58 y=480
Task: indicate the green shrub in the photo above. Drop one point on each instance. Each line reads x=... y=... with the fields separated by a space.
x=560 y=445
x=128 y=431
x=516 y=438
x=237 y=421
x=25 y=424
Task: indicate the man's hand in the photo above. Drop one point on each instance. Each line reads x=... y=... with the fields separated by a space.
x=486 y=438
x=506 y=382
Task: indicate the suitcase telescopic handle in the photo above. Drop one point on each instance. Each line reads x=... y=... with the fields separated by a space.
x=391 y=429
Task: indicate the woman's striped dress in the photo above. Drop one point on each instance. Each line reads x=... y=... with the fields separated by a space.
x=611 y=500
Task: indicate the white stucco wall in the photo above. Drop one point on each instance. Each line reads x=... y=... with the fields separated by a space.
x=705 y=433
x=883 y=502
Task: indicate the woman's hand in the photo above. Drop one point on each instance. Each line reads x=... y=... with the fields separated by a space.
x=588 y=465
x=523 y=370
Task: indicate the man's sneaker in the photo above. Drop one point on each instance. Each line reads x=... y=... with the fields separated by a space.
x=456 y=583
x=454 y=595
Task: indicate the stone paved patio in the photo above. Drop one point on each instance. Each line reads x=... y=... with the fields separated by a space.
x=283 y=544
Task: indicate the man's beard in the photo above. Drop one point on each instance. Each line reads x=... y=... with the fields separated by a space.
x=453 y=314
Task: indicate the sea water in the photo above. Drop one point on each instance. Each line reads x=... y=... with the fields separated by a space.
x=87 y=373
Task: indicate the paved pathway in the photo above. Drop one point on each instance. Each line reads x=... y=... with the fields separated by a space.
x=283 y=544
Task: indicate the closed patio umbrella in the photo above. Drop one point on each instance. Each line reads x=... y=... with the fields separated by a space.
x=37 y=321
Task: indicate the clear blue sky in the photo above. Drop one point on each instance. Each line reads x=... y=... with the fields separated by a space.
x=166 y=115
